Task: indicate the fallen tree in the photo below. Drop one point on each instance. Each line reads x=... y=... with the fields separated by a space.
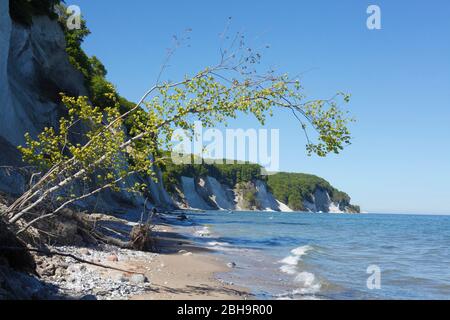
x=68 y=172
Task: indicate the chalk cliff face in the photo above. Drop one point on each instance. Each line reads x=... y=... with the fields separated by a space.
x=323 y=203
x=207 y=193
x=34 y=69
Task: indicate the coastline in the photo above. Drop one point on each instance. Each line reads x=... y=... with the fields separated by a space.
x=179 y=270
x=186 y=271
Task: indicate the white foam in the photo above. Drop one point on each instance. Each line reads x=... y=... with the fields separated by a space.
x=289 y=269
x=296 y=256
x=291 y=260
x=218 y=244
x=306 y=280
x=301 y=251
x=204 y=232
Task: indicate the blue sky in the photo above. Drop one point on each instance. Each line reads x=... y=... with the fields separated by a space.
x=399 y=78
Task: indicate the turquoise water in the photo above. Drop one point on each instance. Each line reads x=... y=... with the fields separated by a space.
x=324 y=256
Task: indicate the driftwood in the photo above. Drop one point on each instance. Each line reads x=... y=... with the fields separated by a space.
x=140 y=235
x=95 y=217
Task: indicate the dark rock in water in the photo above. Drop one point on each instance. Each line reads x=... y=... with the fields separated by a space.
x=182 y=217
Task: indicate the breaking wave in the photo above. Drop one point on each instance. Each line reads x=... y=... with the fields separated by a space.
x=308 y=283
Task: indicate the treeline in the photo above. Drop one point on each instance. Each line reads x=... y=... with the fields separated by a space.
x=230 y=174
x=290 y=188
x=295 y=188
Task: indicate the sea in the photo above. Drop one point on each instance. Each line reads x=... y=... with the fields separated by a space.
x=330 y=256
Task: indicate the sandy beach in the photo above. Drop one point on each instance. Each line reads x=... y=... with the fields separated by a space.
x=178 y=270
x=184 y=271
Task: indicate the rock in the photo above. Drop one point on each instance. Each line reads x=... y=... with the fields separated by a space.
x=88 y=297
x=138 y=279
x=122 y=278
x=85 y=252
x=60 y=272
x=48 y=271
x=112 y=258
x=231 y=265
x=63 y=265
x=100 y=292
x=76 y=268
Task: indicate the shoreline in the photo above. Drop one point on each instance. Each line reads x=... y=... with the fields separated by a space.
x=187 y=271
x=180 y=270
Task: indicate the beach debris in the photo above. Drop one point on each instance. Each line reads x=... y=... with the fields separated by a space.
x=90 y=282
x=187 y=254
x=182 y=252
x=231 y=265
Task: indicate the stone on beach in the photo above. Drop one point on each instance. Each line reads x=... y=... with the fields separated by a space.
x=138 y=279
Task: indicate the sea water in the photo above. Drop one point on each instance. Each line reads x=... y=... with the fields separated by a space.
x=331 y=256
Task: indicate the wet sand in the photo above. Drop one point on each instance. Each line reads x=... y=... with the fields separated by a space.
x=184 y=271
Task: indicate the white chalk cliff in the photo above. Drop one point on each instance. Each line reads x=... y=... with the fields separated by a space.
x=34 y=69
x=209 y=194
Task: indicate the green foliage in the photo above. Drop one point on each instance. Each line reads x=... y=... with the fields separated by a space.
x=330 y=123
x=229 y=174
x=294 y=188
x=22 y=11
x=74 y=38
x=105 y=154
x=92 y=68
x=97 y=67
x=248 y=192
x=99 y=87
